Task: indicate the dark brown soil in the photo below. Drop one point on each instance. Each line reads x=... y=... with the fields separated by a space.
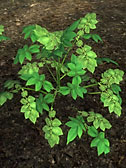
x=22 y=144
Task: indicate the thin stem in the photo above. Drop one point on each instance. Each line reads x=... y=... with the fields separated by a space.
x=63 y=76
x=58 y=71
x=95 y=84
x=66 y=55
x=68 y=52
x=55 y=93
x=34 y=90
x=94 y=92
x=51 y=73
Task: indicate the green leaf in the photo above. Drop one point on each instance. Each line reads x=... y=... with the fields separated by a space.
x=52 y=113
x=48 y=121
x=80 y=131
x=4 y=38
x=106 y=124
x=22 y=54
x=71 y=73
x=69 y=35
x=111 y=108
x=28 y=56
x=1 y=29
x=67 y=43
x=101 y=143
x=72 y=124
x=71 y=66
x=33 y=80
x=116 y=88
x=54 y=139
x=56 y=122
x=79 y=43
x=27 y=114
x=90 y=118
x=96 y=123
x=47 y=136
x=96 y=37
x=58 y=53
x=34 y=48
x=24 y=101
x=92 y=131
x=28 y=31
x=80 y=33
x=42 y=102
x=57 y=131
x=108 y=60
x=79 y=51
x=73 y=132
x=120 y=99
x=102 y=126
x=74 y=94
x=33 y=118
x=84 y=113
x=4 y=96
x=85 y=78
x=74 y=59
x=52 y=130
x=64 y=90
x=38 y=86
x=29 y=108
x=28 y=70
x=10 y=83
x=47 y=86
x=107 y=149
x=76 y=80
x=44 y=40
x=45 y=106
x=100 y=147
x=95 y=142
x=87 y=29
x=91 y=54
x=49 y=98
x=3 y=99
x=117 y=109
x=73 y=26
x=79 y=92
x=86 y=36
x=46 y=128
x=36 y=80
x=39 y=102
x=40 y=31
x=31 y=99
x=77 y=127
x=24 y=93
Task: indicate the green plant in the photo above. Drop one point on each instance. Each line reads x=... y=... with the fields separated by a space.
x=2 y=37
x=52 y=52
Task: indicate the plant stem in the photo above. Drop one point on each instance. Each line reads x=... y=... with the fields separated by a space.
x=58 y=73
x=34 y=90
x=66 y=55
x=94 y=92
x=55 y=93
x=95 y=84
x=51 y=73
x=63 y=76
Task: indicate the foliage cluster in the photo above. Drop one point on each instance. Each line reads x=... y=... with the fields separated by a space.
x=52 y=52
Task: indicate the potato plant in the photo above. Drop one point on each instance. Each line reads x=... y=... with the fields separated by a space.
x=52 y=51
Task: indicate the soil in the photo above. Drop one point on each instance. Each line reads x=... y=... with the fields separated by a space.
x=22 y=144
